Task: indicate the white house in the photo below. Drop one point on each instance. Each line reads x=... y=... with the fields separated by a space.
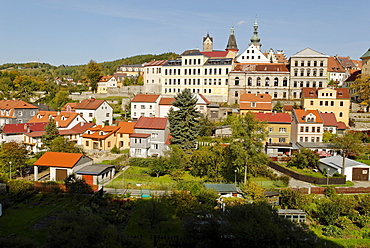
x=105 y=83
x=354 y=171
x=143 y=105
x=98 y=110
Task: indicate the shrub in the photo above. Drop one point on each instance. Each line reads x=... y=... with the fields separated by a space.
x=115 y=150
x=330 y=191
x=333 y=231
x=16 y=186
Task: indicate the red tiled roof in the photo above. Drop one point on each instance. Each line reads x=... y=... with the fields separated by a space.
x=105 y=78
x=139 y=135
x=271 y=67
x=166 y=101
x=82 y=127
x=249 y=97
x=156 y=63
x=24 y=127
x=151 y=123
x=301 y=114
x=274 y=117
x=59 y=159
x=216 y=54
x=287 y=107
x=145 y=98
x=342 y=125
x=205 y=99
x=89 y=104
x=262 y=102
x=342 y=93
x=71 y=104
x=354 y=75
x=329 y=119
x=126 y=127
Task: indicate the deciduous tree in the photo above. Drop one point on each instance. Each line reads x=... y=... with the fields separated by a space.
x=361 y=86
x=93 y=73
x=13 y=154
x=303 y=159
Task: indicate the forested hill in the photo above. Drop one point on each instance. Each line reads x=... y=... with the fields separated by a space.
x=77 y=71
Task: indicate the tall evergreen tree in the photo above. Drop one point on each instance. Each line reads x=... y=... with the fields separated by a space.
x=184 y=122
x=51 y=133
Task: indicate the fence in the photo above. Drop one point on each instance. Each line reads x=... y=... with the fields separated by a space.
x=308 y=179
x=52 y=188
x=339 y=190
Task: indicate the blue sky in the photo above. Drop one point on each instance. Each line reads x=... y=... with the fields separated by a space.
x=72 y=32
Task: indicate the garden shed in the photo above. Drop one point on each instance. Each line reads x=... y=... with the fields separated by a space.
x=354 y=171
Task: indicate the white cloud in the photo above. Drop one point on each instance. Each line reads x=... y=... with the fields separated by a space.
x=240 y=23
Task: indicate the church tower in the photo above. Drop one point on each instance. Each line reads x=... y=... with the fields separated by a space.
x=231 y=44
x=207 y=43
x=255 y=40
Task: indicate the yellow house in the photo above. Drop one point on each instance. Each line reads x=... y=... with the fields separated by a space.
x=278 y=126
x=123 y=134
x=100 y=138
x=328 y=100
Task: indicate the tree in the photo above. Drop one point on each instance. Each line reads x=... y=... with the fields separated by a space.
x=348 y=143
x=93 y=73
x=13 y=154
x=51 y=133
x=361 y=86
x=184 y=122
x=61 y=144
x=60 y=98
x=76 y=186
x=328 y=137
x=303 y=159
x=205 y=125
x=245 y=152
x=278 y=108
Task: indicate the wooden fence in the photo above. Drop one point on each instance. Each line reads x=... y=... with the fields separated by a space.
x=339 y=190
x=308 y=179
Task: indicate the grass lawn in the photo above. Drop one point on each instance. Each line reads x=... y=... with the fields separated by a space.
x=267 y=183
x=21 y=218
x=136 y=177
x=305 y=171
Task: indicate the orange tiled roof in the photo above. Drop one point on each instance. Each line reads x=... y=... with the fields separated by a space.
x=126 y=127
x=105 y=78
x=59 y=159
x=145 y=98
x=301 y=114
x=334 y=65
x=89 y=104
x=71 y=104
x=62 y=118
x=7 y=107
x=100 y=132
x=274 y=117
x=262 y=102
x=166 y=101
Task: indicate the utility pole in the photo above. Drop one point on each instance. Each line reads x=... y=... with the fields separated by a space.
x=245 y=172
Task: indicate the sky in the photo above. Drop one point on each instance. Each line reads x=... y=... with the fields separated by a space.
x=73 y=32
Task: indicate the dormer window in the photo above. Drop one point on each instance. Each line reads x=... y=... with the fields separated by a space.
x=101 y=133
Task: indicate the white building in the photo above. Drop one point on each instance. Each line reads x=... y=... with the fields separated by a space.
x=95 y=110
x=144 y=105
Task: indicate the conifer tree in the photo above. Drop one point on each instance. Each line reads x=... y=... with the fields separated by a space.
x=184 y=122
x=51 y=133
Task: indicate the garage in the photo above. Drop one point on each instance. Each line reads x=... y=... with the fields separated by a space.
x=60 y=174
x=360 y=174
x=89 y=179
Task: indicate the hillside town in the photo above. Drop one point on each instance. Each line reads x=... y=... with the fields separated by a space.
x=226 y=118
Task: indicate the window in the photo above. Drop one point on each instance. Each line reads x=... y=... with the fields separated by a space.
x=249 y=81
x=253 y=104
x=267 y=81
x=313 y=129
x=90 y=115
x=312 y=139
x=137 y=151
x=331 y=103
x=142 y=114
x=134 y=113
x=143 y=106
x=282 y=130
x=236 y=94
x=271 y=129
x=107 y=115
x=87 y=143
x=154 y=135
x=306 y=139
x=108 y=143
x=276 y=81
x=306 y=129
x=318 y=129
x=282 y=140
x=258 y=81
x=341 y=104
x=237 y=81
x=285 y=82
x=302 y=63
x=155 y=146
x=301 y=139
x=311 y=103
x=340 y=114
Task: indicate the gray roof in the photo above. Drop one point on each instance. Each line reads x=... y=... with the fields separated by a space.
x=290 y=211
x=336 y=162
x=95 y=169
x=315 y=145
x=367 y=54
x=222 y=187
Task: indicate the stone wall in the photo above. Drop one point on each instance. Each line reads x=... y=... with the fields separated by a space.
x=124 y=91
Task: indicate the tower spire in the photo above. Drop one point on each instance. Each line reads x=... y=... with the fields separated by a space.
x=231 y=44
x=255 y=40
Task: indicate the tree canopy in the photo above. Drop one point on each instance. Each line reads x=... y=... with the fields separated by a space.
x=51 y=133
x=184 y=122
x=361 y=86
x=93 y=73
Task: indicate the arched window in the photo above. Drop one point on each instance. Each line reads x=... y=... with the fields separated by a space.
x=276 y=81
x=295 y=72
x=236 y=80
x=249 y=81
x=258 y=81
x=308 y=72
x=340 y=114
x=267 y=81
x=285 y=82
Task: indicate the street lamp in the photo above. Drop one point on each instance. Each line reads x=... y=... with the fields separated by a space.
x=235 y=177
x=10 y=170
x=327 y=176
